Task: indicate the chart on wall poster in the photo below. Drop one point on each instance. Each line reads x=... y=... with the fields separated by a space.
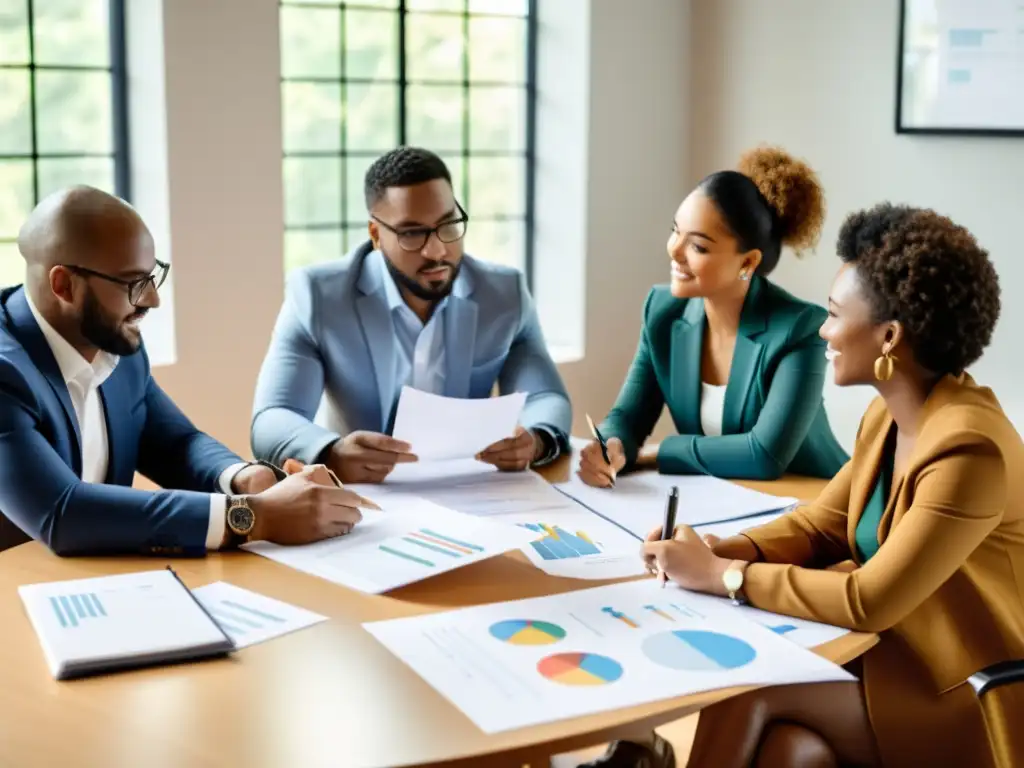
x=509 y=665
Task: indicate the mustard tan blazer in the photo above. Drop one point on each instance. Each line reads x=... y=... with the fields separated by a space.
x=945 y=590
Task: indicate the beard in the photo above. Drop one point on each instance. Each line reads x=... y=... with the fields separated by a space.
x=103 y=333
x=437 y=290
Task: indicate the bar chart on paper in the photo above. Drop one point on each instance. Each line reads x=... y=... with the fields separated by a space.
x=559 y=544
x=250 y=618
x=409 y=540
x=71 y=610
x=424 y=546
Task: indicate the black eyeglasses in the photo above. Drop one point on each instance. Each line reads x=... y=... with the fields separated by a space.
x=136 y=288
x=415 y=239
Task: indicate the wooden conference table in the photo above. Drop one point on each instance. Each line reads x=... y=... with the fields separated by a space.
x=326 y=696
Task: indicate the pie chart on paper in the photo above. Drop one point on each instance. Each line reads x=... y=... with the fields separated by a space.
x=580 y=669
x=698 y=650
x=527 y=632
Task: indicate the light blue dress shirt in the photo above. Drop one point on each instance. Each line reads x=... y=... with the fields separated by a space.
x=419 y=353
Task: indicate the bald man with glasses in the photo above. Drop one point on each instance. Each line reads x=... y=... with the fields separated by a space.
x=80 y=412
x=408 y=307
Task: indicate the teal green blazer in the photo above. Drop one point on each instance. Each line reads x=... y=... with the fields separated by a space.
x=774 y=415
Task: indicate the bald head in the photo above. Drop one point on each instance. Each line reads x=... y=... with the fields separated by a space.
x=87 y=254
x=85 y=227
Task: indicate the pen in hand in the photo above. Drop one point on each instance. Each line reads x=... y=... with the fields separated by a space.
x=669 y=526
x=602 y=442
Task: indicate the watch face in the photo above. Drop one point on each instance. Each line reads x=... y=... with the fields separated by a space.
x=241 y=519
x=733 y=579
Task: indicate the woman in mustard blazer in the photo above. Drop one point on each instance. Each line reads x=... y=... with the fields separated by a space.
x=920 y=538
x=736 y=359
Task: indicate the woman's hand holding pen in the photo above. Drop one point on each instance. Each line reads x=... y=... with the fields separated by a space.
x=687 y=559
x=594 y=470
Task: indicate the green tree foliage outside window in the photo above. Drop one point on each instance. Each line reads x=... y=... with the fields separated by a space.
x=352 y=89
x=57 y=116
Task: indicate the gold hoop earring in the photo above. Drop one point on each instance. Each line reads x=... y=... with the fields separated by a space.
x=885 y=366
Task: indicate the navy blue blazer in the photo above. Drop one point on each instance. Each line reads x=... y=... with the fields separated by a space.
x=41 y=490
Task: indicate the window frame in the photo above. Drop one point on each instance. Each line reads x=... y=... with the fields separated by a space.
x=401 y=82
x=118 y=69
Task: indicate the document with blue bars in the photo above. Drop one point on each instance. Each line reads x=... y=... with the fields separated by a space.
x=103 y=624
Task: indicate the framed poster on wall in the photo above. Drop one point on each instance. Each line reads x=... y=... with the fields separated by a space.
x=961 y=67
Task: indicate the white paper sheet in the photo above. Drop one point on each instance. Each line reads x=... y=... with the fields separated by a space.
x=411 y=540
x=440 y=428
x=577 y=544
x=509 y=665
x=733 y=527
x=250 y=618
x=470 y=486
x=637 y=502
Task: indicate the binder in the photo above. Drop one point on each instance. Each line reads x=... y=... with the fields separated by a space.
x=114 y=623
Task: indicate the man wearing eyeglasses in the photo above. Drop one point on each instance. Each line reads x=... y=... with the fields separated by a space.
x=406 y=308
x=80 y=413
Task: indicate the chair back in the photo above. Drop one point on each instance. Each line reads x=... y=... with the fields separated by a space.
x=1000 y=689
x=10 y=534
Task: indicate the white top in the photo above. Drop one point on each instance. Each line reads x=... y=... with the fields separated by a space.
x=712 y=402
x=83 y=380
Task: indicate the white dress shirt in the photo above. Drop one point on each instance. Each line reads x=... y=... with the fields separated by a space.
x=712 y=403
x=419 y=353
x=83 y=380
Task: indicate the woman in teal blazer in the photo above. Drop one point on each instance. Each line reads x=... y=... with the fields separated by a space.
x=737 y=360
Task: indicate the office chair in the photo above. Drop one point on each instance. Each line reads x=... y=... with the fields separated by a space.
x=1000 y=688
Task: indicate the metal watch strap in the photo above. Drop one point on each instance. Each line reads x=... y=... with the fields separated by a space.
x=234 y=539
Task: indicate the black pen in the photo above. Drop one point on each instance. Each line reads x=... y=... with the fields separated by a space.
x=601 y=441
x=669 y=526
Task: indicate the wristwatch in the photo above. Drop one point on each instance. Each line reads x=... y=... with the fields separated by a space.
x=240 y=518
x=733 y=581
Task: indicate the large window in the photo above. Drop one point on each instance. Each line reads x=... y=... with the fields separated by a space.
x=359 y=78
x=62 y=116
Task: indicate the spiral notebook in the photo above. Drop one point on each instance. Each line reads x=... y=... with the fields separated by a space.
x=111 y=623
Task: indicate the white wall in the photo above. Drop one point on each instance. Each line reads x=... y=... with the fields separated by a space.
x=637 y=168
x=214 y=195
x=819 y=78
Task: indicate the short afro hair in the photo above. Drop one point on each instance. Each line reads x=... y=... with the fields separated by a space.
x=930 y=274
x=402 y=167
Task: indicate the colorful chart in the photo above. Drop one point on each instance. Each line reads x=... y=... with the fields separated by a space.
x=425 y=541
x=658 y=612
x=527 y=632
x=697 y=650
x=580 y=669
x=559 y=544
x=621 y=617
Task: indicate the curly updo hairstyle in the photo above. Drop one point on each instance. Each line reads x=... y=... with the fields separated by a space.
x=930 y=274
x=771 y=200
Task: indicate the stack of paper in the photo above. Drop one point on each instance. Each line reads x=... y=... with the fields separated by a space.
x=103 y=624
x=572 y=542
